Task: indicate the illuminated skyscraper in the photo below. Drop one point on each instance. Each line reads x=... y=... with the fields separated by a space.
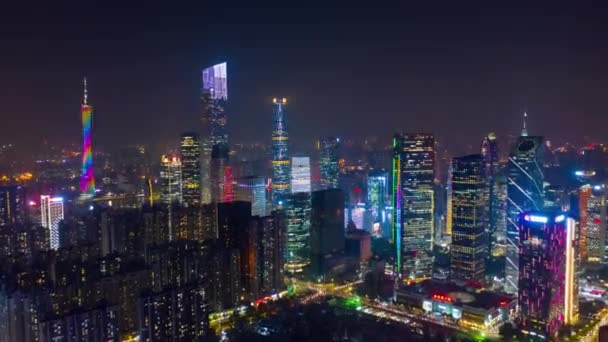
x=170 y=179
x=252 y=189
x=377 y=195
x=469 y=238
x=449 y=193
x=548 y=284
x=214 y=97
x=413 y=204
x=593 y=219
x=297 y=247
x=12 y=205
x=51 y=213
x=524 y=192
x=300 y=174
x=494 y=208
x=87 y=178
x=281 y=168
x=328 y=162
x=191 y=169
x=222 y=181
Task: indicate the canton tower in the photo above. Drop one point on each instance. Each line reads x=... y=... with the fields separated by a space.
x=87 y=178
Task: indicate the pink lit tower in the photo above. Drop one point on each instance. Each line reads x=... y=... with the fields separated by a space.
x=87 y=179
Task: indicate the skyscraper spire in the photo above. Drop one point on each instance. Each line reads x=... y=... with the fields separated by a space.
x=524 y=131
x=86 y=93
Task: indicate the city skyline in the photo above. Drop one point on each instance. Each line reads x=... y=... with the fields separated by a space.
x=475 y=94
x=185 y=204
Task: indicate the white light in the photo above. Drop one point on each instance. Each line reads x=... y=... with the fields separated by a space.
x=533 y=218
x=560 y=218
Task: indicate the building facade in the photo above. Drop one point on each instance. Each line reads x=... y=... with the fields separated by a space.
x=593 y=224
x=13 y=207
x=252 y=189
x=297 y=247
x=300 y=174
x=548 y=283
x=328 y=162
x=469 y=203
x=524 y=192
x=413 y=175
x=220 y=175
x=214 y=99
x=190 y=149
x=51 y=214
x=495 y=209
x=170 y=179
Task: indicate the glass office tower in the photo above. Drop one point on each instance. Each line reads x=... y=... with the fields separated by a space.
x=190 y=149
x=214 y=99
x=524 y=192
x=469 y=238
x=413 y=175
x=328 y=162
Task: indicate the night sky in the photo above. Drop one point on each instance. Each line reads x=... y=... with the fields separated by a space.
x=457 y=70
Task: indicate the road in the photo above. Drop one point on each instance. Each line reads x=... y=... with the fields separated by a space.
x=382 y=310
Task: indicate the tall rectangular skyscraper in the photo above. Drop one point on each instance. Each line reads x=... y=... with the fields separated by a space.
x=214 y=98
x=524 y=192
x=328 y=162
x=190 y=149
x=413 y=204
x=495 y=209
x=593 y=219
x=300 y=174
x=297 y=242
x=469 y=238
x=51 y=213
x=170 y=179
x=12 y=205
x=547 y=284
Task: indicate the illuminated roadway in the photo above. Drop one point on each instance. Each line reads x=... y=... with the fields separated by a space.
x=590 y=332
x=381 y=310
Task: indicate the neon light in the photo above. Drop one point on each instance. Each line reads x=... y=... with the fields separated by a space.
x=534 y=218
x=560 y=218
x=87 y=178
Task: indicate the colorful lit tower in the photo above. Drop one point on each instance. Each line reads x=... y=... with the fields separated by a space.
x=548 y=266
x=87 y=178
x=281 y=166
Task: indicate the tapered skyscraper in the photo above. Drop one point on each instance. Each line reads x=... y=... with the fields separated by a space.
x=214 y=97
x=413 y=204
x=87 y=178
x=524 y=193
x=281 y=166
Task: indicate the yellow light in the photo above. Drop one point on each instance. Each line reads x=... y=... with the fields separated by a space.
x=274 y=100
